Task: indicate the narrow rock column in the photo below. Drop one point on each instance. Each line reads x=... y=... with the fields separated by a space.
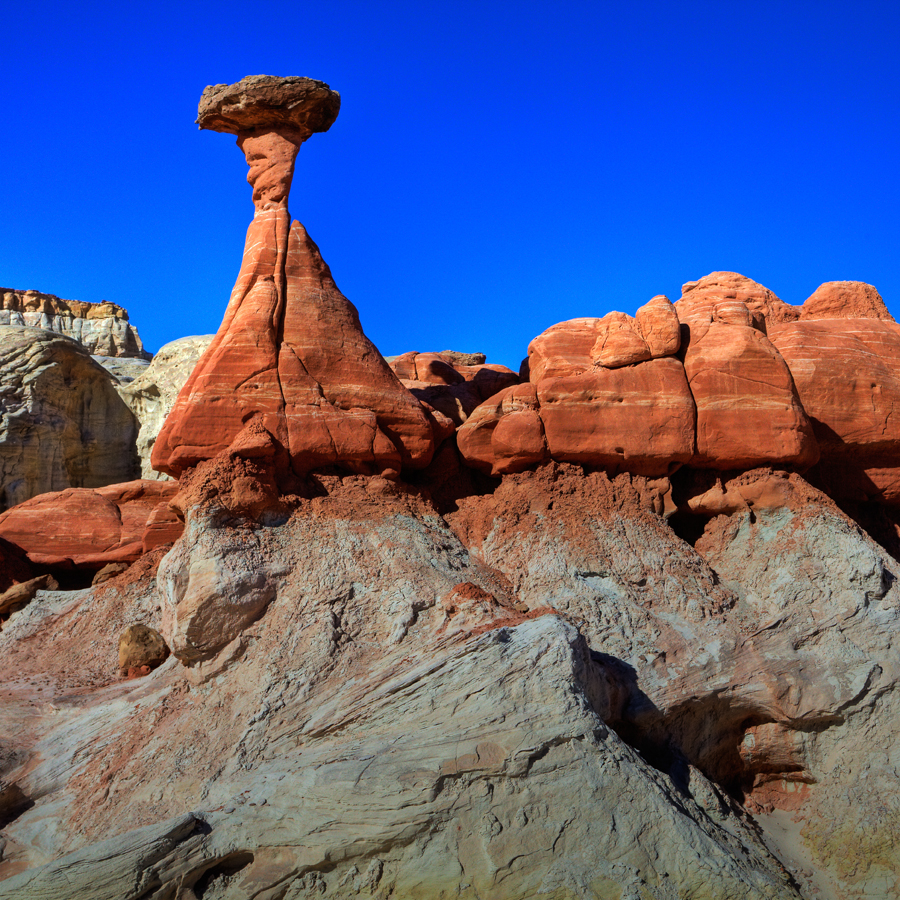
x=290 y=352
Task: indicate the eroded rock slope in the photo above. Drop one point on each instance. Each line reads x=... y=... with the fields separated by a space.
x=621 y=626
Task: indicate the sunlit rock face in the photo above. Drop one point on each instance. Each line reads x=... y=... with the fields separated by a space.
x=62 y=422
x=103 y=328
x=290 y=352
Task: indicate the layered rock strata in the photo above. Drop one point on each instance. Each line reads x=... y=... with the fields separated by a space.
x=103 y=328
x=81 y=528
x=62 y=423
x=290 y=351
x=728 y=378
x=391 y=706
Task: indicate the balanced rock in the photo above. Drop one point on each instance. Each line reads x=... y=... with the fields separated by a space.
x=84 y=528
x=103 y=328
x=152 y=395
x=290 y=351
x=62 y=423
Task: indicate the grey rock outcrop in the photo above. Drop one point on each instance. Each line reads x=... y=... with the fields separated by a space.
x=765 y=655
x=390 y=725
x=151 y=395
x=62 y=423
x=123 y=369
x=101 y=327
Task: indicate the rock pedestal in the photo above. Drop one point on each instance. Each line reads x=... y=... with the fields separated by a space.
x=290 y=352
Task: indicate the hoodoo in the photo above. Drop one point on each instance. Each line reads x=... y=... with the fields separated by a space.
x=632 y=632
x=290 y=352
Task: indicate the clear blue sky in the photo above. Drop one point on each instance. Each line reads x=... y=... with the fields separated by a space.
x=496 y=167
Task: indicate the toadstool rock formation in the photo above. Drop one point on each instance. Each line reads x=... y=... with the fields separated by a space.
x=290 y=352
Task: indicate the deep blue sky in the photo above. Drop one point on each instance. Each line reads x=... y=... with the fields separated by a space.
x=496 y=167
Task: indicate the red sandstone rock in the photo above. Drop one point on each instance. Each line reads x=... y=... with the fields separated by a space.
x=845 y=300
x=505 y=434
x=619 y=342
x=86 y=528
x=451 y=384
x=638 y=419
x=445 y=369
x=847 y=373
x=562 y=350
x=290 y=351
x=748 y=412
x=700 y=300
x=659 y=325
x=599 y=400
x=615 y=340
x=758 y=489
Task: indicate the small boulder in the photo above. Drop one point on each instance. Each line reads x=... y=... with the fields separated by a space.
x=20 y=595
x=141 y=646
x=659 y=326
x=619 y=342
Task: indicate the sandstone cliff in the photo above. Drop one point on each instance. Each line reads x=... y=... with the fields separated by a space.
x=101 y=327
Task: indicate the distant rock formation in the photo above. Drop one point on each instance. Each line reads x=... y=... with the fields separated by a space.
x=290 y=351
x=452 y=383
x=101 y=327
x=62 y=423
x=152 y=393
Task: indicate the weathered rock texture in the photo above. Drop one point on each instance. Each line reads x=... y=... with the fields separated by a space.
x=83 y=528
x=599 y=396
x=101 y=327
x=62 y=423
x=414 y=732
x=728 y=378
x=452 y=383
x=290 y=351
x=151 y=395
